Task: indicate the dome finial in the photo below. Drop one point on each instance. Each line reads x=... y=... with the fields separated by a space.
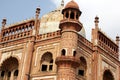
x=96 y=21
x=62 y=3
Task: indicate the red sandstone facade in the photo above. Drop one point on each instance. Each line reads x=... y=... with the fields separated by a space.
x=26 y=53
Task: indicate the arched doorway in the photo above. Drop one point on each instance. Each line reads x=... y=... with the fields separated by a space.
x=8 y=68
x=107 y=75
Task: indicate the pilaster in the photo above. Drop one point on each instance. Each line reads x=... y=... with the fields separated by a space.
x=28 y=60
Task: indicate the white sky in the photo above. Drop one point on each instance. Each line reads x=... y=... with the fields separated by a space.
x=107 y=10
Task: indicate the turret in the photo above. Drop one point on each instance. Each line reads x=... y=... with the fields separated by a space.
x=3 y=23
x=67 y=62
x=95 y=31
x=37 y=22
x=117 y=40
x=96 y=22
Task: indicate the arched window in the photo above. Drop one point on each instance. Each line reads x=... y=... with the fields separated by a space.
x=47 y=62
x=72 y=15
x=63 y=52
x=82 y=68
x=74 y=53
x=107 y=75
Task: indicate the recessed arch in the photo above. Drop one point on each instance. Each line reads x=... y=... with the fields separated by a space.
x=8 y=62
x=47 y=62
x=8 y=66
x=83 y=67
x=74 y=53
x=107 y=75
x=63 y=52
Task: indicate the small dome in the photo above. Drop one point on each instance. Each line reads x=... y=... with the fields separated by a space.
x=72 y=4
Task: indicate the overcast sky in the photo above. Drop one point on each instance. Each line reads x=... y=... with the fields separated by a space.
x=107 y=10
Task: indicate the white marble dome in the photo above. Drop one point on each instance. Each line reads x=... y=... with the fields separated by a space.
x=50 y=22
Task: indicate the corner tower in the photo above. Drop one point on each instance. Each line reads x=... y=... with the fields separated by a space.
x=67 y=62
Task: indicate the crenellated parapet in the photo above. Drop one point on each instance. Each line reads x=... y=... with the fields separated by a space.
x=17 y=31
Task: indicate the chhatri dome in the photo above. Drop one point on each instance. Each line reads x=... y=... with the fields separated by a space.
x=72 y=4
x=50 y=21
